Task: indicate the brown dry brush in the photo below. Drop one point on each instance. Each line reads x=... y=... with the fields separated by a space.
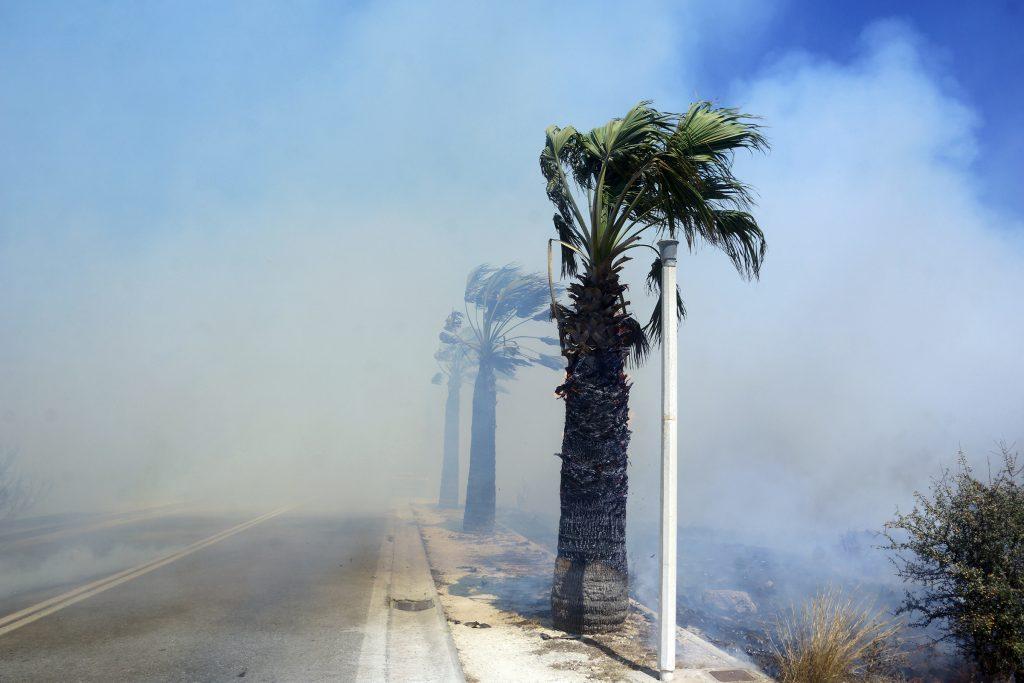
x=833 y=638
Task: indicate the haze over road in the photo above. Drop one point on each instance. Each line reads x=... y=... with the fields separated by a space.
x=284 y=597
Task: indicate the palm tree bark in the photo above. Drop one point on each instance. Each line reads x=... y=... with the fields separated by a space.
x=590 y=589
x=480 y=489
x=449 y=494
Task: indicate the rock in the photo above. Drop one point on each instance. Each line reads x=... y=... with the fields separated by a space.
x=729 y=602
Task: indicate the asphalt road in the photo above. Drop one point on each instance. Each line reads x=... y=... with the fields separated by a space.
x=284 y=599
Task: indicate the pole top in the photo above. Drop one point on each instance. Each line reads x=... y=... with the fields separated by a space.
x=668 y=251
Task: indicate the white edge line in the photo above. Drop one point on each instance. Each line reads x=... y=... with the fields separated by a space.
x=373 y=663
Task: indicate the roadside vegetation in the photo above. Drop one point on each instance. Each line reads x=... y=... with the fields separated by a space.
x=962 y=550
x=646 y=175
x=498 y=302
x=617 y=189
x=454 y=363
x=832 y=638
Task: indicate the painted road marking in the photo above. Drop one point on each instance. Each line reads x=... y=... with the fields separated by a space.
x=63 y=531
x=40 y=610
x=373 y=651
x=71 y=522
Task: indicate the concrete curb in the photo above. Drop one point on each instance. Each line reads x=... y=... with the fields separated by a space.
x=420 y=645
x=407 y=637
x=442 y=619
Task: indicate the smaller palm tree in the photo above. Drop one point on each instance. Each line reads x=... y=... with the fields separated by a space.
x=498 y=302
x=454 y=362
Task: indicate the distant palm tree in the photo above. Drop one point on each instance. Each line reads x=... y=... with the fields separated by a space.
x=454 y=361
x=647 y=170
x=498 y=302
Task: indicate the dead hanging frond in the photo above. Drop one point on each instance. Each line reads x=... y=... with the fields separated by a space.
x=637 y=342
x=566 y=237
x=653 y=327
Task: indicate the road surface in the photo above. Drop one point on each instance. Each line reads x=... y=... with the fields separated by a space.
x=283 y=597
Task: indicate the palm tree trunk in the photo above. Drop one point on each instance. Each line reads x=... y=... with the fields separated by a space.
x=480 y=492
x=590 y=590
x=449 y=495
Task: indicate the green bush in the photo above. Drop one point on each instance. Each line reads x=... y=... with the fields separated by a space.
x=963 y=547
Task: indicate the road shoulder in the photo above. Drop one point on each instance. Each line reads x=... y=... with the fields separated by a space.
x=494 y=591
x=406 y=634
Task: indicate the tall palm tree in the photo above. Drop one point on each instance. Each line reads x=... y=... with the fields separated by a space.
x=454 y=362
x=649 y=173
x=498 y=302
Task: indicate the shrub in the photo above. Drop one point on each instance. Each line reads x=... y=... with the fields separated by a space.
x=964 y=548
x=832 y=639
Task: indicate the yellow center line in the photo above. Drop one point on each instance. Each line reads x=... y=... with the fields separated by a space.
x=26 y=616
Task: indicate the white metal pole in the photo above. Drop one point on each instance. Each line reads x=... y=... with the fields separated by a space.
x=669 y=339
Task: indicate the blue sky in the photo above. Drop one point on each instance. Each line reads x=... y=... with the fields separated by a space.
x=972 y=48
x=228 y=231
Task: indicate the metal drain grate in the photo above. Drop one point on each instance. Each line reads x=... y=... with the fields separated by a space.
x=729 y=675
x=419 y=606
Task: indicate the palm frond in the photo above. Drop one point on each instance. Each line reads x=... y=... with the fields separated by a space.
x=452 y=355
x=717 y=132
x=653 y=327
x=650 y=171
x=566 y=237
x=453 y=322
x=477 y=281
x=502 y=299
x=561 y=148
x=740 y=237
x=638 y=344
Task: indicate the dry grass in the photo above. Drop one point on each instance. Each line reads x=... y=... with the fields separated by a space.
x=834 y=639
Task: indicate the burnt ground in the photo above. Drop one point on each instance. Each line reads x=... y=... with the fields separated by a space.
x=495 y=591
x=734 y=593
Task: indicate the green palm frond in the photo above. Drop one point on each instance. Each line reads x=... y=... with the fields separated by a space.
x=652 y=171
x=739 y=236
